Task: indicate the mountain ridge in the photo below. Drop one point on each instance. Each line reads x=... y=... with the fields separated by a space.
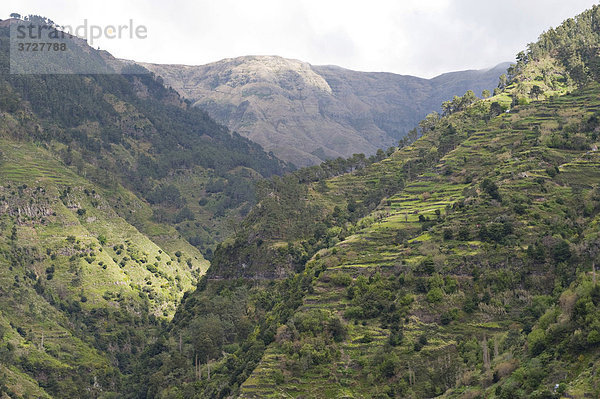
x=305 y=113
x=461 y=264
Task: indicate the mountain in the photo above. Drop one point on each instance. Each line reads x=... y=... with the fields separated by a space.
x=462 y=265
x=306 y=114
x=111 y=189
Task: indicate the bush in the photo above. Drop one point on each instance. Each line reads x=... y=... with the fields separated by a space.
x=340 y=279
x=446 y=318
x=561 y=251
x=396 y=337
x=448 y=234
x=435 y=295
x=537 y=341
x=593 y=337
x=354 y=312
x=337 y=329
x=464 y=234
x=365 y=339
x=417 y=346
x=388 y=366
x=552 y=171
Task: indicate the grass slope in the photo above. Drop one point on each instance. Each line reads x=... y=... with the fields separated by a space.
x=67 y=255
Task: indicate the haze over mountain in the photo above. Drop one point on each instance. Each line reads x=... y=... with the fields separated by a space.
x=306 y=114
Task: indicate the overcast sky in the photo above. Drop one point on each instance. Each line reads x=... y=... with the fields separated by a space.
x=413 y=37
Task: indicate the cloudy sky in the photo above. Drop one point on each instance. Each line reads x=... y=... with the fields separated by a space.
x=415 y=37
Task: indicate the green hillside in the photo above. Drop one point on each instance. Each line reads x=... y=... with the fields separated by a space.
x=462 y=265
x=77 y=278
x=111 y=193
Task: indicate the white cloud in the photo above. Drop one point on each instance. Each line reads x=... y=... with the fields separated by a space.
x=415 y=37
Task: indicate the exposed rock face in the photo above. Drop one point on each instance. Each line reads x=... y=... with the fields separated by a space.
x=306 y=114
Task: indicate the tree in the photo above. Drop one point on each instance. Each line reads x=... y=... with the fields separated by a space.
x=459 y=103
x=496 y=109
x=561 y=251
x=503 y=81
x=486 y=93
x=451 y=106
x=15 y=15
x=486 y=354
x=536 y=91
x=514 y=100
x=429 y=122
x=491 y=189
x=410 y=138
x=468 y=99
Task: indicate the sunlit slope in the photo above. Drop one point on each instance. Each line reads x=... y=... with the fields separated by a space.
x=419 y=266
x=74 y=273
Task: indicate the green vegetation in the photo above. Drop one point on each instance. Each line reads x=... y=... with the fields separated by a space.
x=460 y=266
x=131 y=130
x=110 y=188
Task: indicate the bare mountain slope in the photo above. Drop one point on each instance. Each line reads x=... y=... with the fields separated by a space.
x=306 y=114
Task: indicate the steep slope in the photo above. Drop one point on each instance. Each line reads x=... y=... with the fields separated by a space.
x=77 y=278
x=306 y=114
x=441 y=271
x=129 y=128
x=462 y=265
x=105 y=184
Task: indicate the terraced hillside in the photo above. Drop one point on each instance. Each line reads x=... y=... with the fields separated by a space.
x=77 y=277
x=461 y=265
x=430 y=275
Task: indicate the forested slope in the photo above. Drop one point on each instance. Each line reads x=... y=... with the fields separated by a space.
x=461 y=265
x=110 y=190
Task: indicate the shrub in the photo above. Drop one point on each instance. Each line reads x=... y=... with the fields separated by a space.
x=593 y=337
x=340 y=279
x=396 y=337
x=448 y=234
x=337 y=329
x=561 y=251
x=435 y=295
x=464 y=234
x=365 y=339
x=537 y=341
